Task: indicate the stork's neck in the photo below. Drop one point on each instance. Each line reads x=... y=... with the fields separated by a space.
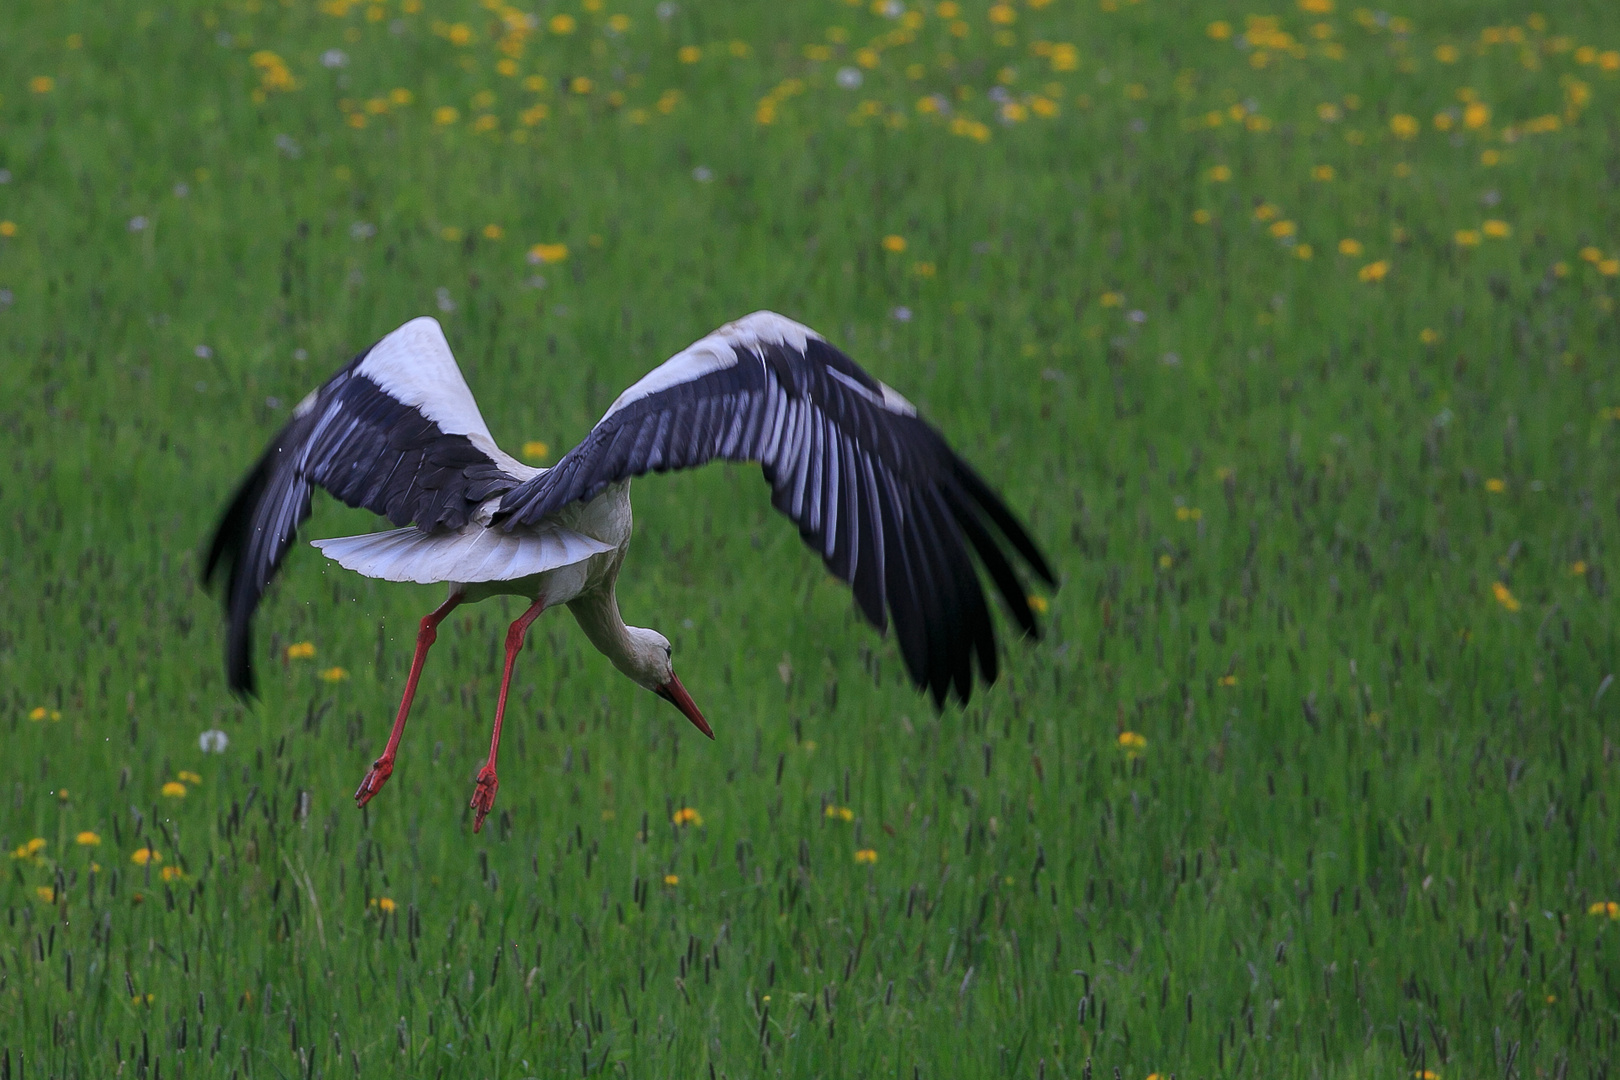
x=597 y=613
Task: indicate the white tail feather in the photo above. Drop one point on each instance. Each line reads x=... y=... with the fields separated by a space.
x=473 y=553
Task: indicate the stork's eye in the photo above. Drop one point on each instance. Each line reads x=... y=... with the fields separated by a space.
x=669 y=652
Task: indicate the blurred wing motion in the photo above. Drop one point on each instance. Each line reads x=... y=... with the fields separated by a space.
x=890 y=508
x=396 y=432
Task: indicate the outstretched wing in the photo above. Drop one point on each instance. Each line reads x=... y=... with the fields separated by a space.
x=876 y=491
x=396 y=432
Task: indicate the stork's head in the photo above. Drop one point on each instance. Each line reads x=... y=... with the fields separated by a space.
x=651 y=664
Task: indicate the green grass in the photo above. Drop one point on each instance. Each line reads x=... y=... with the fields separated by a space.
x=1372 y=812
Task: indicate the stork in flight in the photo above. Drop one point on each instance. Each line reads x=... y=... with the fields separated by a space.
x=875 y=491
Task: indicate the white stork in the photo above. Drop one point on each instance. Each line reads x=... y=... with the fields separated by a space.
x=874 y=490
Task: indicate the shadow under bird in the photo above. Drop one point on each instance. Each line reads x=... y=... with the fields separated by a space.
x=875 y=491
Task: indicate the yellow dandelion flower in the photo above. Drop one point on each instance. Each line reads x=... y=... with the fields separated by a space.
x=562 y=24
x=1591 y=254
x=1606 y=267
x=87 y=839
x=400 y=96
x=145 y=855
x=1578 y=567
x=1219 y=173
x=334 y=674
x=894 y=243
x=1112 y=299
x=924 y=269
x=841 y=813
x=1003 y=14
x=1328 y=112
x=450 y=233
x=29 y=849
x=189 y=777
x=672 y=880
x=618 y=23
x=866 y=855
x=1495 y=485
x=382 y=904
x=535 y=450
x=687 y=816
x=301 y=650
x=1282 y=229
x=493 y=231
x=1219 y=30
x=581 y=84
x=1323 y=173
x=1446 y=54
x=1404 y=126
x=41 y=84
x=534 y=114
x=172 y=873
x=8 y=228
x=1265 y=212
x=1490 y=157
x=1165 y=562
x=445 y=115
x=689 y=54
x=1605 y=907
x=46 y=894
x=1496 y=229
x=1428 y=335
x=486 y=122
x=1476 y=114
x=1374 y=271
x=1466 y=237
x=173 y=790
x=1504 y=596
x=548 y=253
x=1202 y=217
x=1303 y=251
x=1037 y=603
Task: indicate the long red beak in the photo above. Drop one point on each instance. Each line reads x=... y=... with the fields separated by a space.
x=674 y=693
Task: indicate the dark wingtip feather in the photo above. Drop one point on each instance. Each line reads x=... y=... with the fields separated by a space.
x=239 y=657
x=226 y=551
x=1005 y=521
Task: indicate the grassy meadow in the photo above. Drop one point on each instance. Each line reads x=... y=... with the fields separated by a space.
x=1290 y=332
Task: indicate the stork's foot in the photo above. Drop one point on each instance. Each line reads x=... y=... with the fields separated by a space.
x=381 y=769
x=483 y=800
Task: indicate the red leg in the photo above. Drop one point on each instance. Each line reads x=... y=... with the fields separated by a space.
x=426 y=634
x=484 y=796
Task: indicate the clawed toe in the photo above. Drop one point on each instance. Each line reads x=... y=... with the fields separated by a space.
x=483 y=799
x=381 y=769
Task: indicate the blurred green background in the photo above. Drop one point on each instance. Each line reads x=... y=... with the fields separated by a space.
x=1291 y=334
